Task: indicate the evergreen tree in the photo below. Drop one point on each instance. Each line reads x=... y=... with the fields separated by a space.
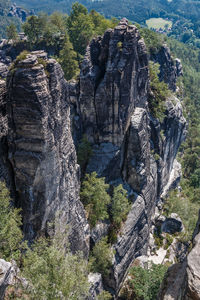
x=53 y=272
x=84 y=153
x=95 y=197
x=101 y=259
x=120 y=205
x=80 y=28
x=11 y=32
x=68 y=59
x=10 y=222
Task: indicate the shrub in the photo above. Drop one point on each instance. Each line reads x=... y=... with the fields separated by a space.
x=104 y=296
x=21 y=57
x=10 y=227
x=53 y=272
x=84 y=153
x=101 y=259
x=144 y=283
x=119 y=205
x=95 y=198
x=159 y=93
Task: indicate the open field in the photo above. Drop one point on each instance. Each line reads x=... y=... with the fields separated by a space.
x=158 y=23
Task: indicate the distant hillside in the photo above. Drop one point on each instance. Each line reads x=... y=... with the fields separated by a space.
x=184 y=14
x=5 y=20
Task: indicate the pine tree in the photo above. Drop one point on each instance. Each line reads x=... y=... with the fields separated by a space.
x=10 y=232
x=11 y=32
x=68 y=60
x=95 y=197
x=120 y=205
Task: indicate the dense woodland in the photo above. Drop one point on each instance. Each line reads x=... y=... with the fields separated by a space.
x=183 y=13
x=66 y=37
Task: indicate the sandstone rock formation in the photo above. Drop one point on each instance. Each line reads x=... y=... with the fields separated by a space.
x=169 y=69
x=113 y=104
x=41 y=150
x=9 y=276
x=182 y=281
x=109 y=105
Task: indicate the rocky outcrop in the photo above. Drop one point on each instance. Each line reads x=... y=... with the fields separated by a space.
x=170 y=69
x=41 y=150
x=109 y=105
x=128 y=146
x=113 y=81
x=96 y=285
x=18 y=12
x=182 y=281
x=9 y=276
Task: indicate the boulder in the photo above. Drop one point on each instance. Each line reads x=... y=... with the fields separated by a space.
x=172 y=224
x=96 y=286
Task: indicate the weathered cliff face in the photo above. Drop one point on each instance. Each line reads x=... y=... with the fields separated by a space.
x=110 y=105
x=182 y=281
x=113 y=81
x=170 y=70
x=113 y=109
x=41 y=150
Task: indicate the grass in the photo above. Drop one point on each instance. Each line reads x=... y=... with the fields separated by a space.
x=157 y=23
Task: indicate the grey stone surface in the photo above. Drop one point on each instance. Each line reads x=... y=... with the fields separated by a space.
x=96 y=285
x=169 y=69
x=172 y=224
x=42 y=153
x=99 y=231
x=8 y=275
x=113 y=81
x=182 y=281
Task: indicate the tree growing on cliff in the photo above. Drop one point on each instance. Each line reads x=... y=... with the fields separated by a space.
x=10 y=227
x=143 y=283
x=101 y=258
x=11 y=32
x=80 y=28
x=120 y=205
x=159 y=93
x=68 y=59
x=95 y=198
x=53 y=272
x=84 y=153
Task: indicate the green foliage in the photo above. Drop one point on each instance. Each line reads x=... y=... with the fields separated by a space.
x=10 y=222
x=159 y=93
x=188 y=211
x=144 y=283
x=53 y=272
x=19 y=58
x=168 y=241
x=153 y=41
x=11 y=32
x=95 y=198
x=80 y=28
x=68 y=59
x=119 y=205
x=104 y=296
x=32 y=29
x=186 y=202
x=84 y=153
x=101 y=258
